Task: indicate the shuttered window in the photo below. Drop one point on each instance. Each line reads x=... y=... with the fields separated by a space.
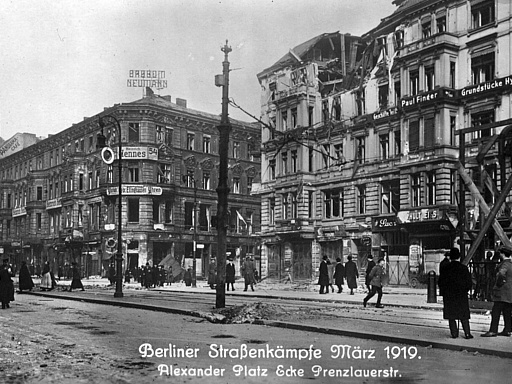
x=414 y=135
x=429 y=132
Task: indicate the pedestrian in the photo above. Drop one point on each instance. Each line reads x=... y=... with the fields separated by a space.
x=187 y=277
x=330 y=272
x=323 y=276
x=60 y=272
x=369 y=268
x=76 y=282
x=161 y=276
x=248 y=269
x=455 y=283
x=230 y=274
x=502 y=297
x=148 y=276
x=25 y=280
x=339 y=274
x=351 y=274
x=169 y=276
x=442 y=265
x=127 y=276
x=111 y=274
x=376 y=276
x=154 y=276
x=6 y=284
x=46 y=279
x=212 y=273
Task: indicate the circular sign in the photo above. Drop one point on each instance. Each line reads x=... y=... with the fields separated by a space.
x=107 y=155
x=366 y=240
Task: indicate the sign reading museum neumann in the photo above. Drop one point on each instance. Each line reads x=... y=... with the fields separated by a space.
x=146 y=78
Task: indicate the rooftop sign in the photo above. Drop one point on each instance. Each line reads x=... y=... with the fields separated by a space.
x=146 y=78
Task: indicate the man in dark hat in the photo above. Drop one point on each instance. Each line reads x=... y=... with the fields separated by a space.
x=323 y=276
x=230 y=274
x=369 y=268
x=6 y=284
x=455 y=282
x=442 y=265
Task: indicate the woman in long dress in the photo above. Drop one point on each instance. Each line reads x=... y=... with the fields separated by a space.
x=25 y=280
x=76 y=282
x=46 y=279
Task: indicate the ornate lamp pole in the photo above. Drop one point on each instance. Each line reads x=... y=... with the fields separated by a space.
x=223 y=188
x=101 y=143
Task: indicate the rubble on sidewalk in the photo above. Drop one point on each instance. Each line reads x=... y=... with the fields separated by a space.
x=247 y=313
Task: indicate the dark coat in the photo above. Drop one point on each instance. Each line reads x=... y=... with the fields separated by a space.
x=212 y=273
x=25 y=280
x=369 y=268
x=76 y=282
x=455 y=282
x=230 y=273
x=323 y=276
x=6 y=285
x=351 y=273
x=377 y=276
x=504 y=292
x=339 y=274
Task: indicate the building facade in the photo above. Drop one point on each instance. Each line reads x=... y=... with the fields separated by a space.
x=361 y=139
x=58 y=198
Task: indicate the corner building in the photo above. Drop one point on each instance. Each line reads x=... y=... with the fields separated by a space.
x=58 y=198
x=362 y=138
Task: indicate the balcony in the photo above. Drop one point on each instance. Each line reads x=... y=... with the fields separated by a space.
x=430 y=42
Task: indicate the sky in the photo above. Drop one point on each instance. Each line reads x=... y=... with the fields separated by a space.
x=63 y=60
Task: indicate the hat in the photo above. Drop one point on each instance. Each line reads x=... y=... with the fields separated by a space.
x=349 y=257
x=370 y=257
x=454 y=254
x=325 y=257
x=338 y=259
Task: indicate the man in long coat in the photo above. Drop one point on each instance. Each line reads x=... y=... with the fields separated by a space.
x=455 y=282
x=339 y=274
x=369 y=268
x=351 y=273
x=323 y=276
x=230 y=275
x=25 y=280
x=212 y=273
x=6 y=284
x=248 y=269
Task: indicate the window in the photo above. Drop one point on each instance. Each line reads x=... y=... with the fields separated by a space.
x=284 y=162
x=482 y=118
x=426 y=28
x=168 y=212
x=482 y=13
x=160 y=134
x=294 y=205
x=134 y=132
x=168 y=136
x=399 y=38
x=390 y=197
x=110 y=177
x=336 y=108
x=191 y=181
x=325 y=111
x=429 y=132
x=415 y=190
x=207 y=144
x=271 y=211
x=236 y=185
x=398 y=92
x=90 y=180
x=164 y=173
x=189 y=214
x=482 y=68
x=360 y=102
x=383 y=96
x=384 y=145
x=361 y=199
x=453 y=81
x=190 y=141
x=39 y=221
x=272 y=169
x=310 y=159
x=414 y=135
x=294 y=161
x=431 y=188
x=311 y=204
x=284 y=120
x=249 y=185
x=285 y=204
x=430 y=79
x=81 y=184
x=311 y=111
x=250 y=151
x=414 y=82
x=361 y=149
x=338 y=152
x=441 y=24
x=206 y=180
x=236 y=149
x=39 y=192
x=294 y=117
x=204 y=217
x=333 y=204
x=133 y=210
x=326 y=154
x=133 y=173
x=453 y=127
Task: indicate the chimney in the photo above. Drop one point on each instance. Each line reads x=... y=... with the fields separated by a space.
x=181 y=102
x=167 y=98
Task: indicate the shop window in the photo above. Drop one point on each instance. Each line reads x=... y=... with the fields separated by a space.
x=134 y=132
x=482 y=67
x=482 y=13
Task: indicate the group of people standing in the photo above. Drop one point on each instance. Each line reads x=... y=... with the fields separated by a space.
x=152 y=276
x=330 y=274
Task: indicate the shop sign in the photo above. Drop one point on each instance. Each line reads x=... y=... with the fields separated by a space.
x=366 y=240
x=135 y=189
x=21 y=211
x=138 y=153
x=386 y=113
x=388 y=222
x=419 y=215
x=146 y=78
x=426 y=97
x=494 y=85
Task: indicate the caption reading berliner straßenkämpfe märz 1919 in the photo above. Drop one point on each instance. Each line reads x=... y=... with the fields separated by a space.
x=265 y=360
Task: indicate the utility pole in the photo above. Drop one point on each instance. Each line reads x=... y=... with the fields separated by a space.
x=223 y=188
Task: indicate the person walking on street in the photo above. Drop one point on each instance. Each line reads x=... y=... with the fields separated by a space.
x=339 y=274
x=187 y=277
x=369 y=268
x=230 y=275
x=248 y=269
x=502 y=297
x=351 y=274
x=442 y=265
x=169 y=276
x=330 y=272
x=376 y=276
x=323 y=276
x=455 y=283
x=76 y=282
x=46 y=279
x=212 y=273
x=6 y=284
x=25 y=280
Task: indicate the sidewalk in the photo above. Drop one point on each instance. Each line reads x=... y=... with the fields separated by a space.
x=407 y=317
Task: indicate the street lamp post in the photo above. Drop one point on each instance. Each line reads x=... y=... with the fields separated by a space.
x=101 y=143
